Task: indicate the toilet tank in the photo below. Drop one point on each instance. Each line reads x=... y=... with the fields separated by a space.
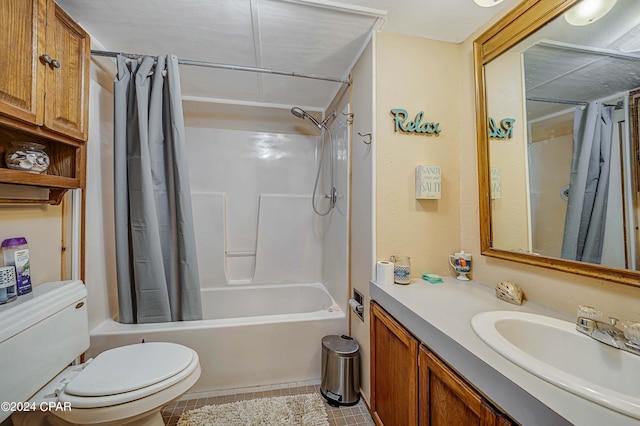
x=40 y=334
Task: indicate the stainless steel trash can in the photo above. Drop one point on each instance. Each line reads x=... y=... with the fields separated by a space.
x=340 y=383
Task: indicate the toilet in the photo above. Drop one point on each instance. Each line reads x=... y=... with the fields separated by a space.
x=128 y=385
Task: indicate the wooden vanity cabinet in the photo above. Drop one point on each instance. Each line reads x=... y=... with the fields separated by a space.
x=410 y=385
x=44 y=91
x=446 y=399
x=394 y=371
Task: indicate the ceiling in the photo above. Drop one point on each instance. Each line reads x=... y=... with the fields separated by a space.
x=582 y=63
x=318 y=37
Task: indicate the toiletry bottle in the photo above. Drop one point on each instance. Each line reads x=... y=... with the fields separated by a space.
x=15 y=252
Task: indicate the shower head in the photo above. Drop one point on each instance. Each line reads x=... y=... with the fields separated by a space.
x=300 y=113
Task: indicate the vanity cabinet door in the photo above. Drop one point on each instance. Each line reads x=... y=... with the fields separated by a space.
x=394 y=371
x=446 y=400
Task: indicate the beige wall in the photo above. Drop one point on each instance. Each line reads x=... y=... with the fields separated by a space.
x=559 y=290
x=417 y=74
x=41 y=225
x=504 y=82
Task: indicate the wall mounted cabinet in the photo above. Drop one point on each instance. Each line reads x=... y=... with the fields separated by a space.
x=44 y=61
x=410 y=385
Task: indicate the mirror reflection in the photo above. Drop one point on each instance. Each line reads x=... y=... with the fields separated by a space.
x=565 y=184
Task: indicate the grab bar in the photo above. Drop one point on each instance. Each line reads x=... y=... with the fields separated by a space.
x=240 y=253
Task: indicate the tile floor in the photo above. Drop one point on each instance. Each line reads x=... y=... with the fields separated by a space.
x=337 y=416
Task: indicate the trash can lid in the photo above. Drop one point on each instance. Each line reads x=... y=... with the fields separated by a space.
x=342 y=345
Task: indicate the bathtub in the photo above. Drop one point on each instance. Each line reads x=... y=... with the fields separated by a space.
x=250 y=335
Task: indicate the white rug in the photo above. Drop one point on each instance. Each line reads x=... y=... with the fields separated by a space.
x=293 y=410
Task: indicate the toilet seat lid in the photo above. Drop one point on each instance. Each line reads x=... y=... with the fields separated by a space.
x=129 y=368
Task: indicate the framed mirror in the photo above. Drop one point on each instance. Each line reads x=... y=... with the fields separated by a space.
x=557 y=102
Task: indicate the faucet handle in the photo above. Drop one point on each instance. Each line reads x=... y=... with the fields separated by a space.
x=589 y=312
x=613 y=321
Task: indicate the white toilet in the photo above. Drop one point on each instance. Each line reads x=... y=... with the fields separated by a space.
x=128 y=385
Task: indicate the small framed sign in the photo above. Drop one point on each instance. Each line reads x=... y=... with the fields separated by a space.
x=428 y=182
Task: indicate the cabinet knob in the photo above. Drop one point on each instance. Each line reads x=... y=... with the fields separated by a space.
x=55 y=63
x=45 y=58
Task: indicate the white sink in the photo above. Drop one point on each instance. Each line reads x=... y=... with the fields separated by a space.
x=553 y=350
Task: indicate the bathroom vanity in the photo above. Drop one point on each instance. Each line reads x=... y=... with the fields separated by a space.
x=429 y=367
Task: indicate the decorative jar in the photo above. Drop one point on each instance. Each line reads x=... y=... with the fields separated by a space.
x=27 y=156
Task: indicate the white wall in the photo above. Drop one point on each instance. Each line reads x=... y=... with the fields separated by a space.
x=362 y=249
x=100 y=268
x=335 y=225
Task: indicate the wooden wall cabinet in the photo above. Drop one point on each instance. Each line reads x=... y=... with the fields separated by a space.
x=411 y=386
x=44 y=90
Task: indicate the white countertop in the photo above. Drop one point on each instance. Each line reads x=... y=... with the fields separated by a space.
x=440 y=316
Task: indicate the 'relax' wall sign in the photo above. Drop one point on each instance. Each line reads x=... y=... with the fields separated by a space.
x=404 y=124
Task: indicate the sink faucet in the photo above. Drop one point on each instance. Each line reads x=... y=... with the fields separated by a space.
x=608 y=334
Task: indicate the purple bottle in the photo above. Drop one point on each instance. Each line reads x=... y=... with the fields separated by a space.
x=15 y=252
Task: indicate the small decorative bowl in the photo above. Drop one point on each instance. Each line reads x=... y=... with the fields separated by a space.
x=27 y=156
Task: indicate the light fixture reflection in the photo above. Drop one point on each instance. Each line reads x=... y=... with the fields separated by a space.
x=487 y=3
x=588 y=11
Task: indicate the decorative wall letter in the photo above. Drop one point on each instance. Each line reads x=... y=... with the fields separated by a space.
x=416 y=126
x=504 y=131
x=428 y=182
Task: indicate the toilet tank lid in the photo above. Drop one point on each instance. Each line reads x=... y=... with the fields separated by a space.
x=129 y=368
x=45 y=300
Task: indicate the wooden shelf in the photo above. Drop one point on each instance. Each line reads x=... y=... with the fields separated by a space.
x=57 y=186
x=17 y=177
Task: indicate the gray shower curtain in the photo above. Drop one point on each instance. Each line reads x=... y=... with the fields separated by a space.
x=157 y=267
x=588 y=184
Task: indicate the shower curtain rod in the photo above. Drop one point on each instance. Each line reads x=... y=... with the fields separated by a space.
x=556 y=101
x=562 y=101
x=224 y=66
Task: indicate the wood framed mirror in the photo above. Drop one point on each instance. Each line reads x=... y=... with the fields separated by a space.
x=538 y=74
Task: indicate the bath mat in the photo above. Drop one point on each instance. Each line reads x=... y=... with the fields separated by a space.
x=292 y=410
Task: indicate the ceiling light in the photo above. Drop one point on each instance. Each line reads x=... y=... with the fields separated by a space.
x=487 y=3
x=588 y=11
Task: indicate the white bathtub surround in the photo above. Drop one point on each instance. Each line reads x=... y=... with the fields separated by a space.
x=252 y=205
x=246 y=166
x=251 y=335
x=440 y=315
